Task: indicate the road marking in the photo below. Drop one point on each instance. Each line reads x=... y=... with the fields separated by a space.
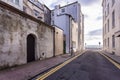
x=57 y=68
x=112 y=61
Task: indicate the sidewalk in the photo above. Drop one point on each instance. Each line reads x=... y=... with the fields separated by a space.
x=25 y=72
x=113 y=57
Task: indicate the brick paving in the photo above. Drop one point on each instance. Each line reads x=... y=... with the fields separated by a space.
x=25 y=72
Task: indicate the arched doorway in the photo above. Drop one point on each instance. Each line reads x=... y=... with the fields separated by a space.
x=30 y=48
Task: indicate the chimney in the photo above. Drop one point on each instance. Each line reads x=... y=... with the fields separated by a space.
x=57 y=7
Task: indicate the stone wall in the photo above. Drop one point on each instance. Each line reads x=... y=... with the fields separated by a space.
x=15 y=26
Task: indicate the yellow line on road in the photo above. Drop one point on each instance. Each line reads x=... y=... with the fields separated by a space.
x=112 y=61
x=57 y=68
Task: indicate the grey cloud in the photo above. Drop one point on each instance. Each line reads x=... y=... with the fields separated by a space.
x=97 y=32
x=93 y=38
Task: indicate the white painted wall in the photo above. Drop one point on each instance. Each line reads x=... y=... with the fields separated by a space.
x=112 y=31
x=61 y=19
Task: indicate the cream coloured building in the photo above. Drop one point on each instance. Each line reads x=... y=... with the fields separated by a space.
x=34 y=8
x=23 y=38
x=15 y=3
x=59 y=38
x=111 y=26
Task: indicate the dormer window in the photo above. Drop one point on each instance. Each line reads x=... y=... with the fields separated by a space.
x=17 y=2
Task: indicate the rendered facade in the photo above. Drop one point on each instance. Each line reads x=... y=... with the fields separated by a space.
x=111 y=26
x=70 y=19
x=23 y=38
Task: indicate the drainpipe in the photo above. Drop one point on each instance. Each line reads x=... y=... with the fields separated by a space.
x=69 y=36
x=54 y=42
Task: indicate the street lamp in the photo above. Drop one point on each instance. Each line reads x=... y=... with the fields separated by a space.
x=99 y=44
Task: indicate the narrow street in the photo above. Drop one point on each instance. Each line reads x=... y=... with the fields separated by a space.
x=89 y=66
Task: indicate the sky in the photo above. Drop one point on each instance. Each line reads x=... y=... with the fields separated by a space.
x=92 y=10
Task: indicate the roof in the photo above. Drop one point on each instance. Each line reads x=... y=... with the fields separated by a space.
x=68 y=5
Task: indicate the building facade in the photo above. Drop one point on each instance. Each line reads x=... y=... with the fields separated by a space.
x=15 y=3
x=38 y=10
x=47 y=15
x=34 y=8
x=59 y=38
x=69 y=17
x=23 y=38
x=111 y=26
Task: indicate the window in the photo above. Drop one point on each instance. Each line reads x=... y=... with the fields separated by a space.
x=113 y=41
x=17 y=2
x=108 y=42
x=105 y=14
x=108 y=25
x=63 y=10
x=105 y=28
x=52 y=13
x=105 y=42
x=36 y=13
x=24 y=8
x=108 y=9
x=113 y=1
x=113 y=19
x=11 y=0
x=105 y=3
x=103 y=32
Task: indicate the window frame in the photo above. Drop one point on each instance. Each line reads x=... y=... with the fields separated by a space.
x=36 y=13
x=16 y=2
x=113 y=2
x=108 y=22
x=113 y=19
x=113 y=41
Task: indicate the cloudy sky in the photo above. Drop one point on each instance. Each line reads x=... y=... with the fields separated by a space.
x=92 y=10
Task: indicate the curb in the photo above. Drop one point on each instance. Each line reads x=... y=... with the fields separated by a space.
x=34 y=77
x=114 y=62
x=111 y=58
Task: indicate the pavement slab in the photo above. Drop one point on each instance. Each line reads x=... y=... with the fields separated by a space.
x=25 y=72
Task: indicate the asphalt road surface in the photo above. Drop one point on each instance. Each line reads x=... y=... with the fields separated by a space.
x=89 y=66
